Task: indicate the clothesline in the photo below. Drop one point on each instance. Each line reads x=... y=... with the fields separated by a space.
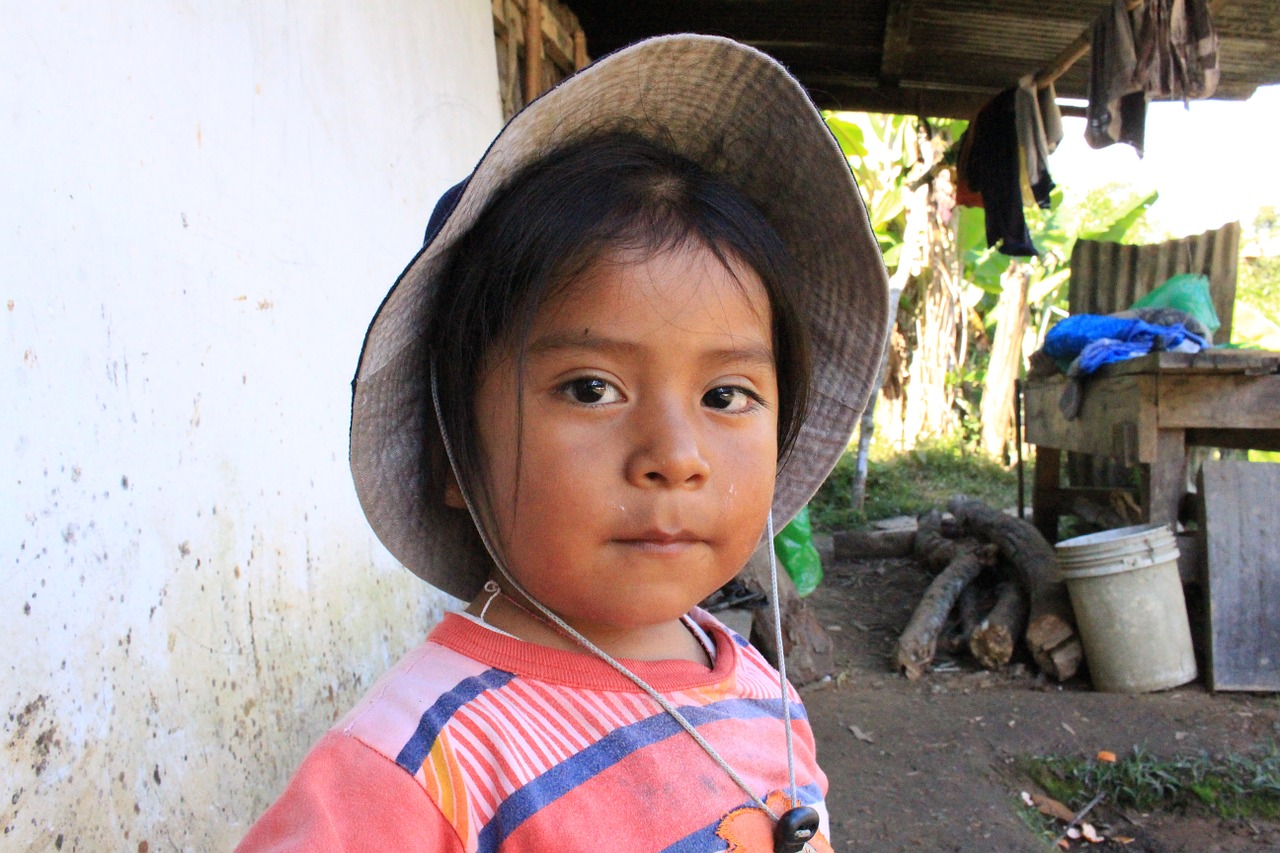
x=1078 y=48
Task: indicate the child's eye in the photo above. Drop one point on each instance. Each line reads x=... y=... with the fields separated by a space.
x=730 y=398
x=591 y=390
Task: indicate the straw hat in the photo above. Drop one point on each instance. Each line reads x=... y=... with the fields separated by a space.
x=736 y=112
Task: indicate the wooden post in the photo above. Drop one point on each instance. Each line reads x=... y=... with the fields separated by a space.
x=1164 y=481
x=1045 y=497
x=532 y=49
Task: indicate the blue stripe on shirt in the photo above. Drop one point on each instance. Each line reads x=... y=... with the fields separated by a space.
x=608 y=751
x=415 y=752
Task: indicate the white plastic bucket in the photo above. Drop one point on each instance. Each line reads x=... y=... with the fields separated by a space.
x=1129 y=607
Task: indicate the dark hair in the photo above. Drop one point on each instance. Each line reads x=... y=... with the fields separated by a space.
x=613 y=192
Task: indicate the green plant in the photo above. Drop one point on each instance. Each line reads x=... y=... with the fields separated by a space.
x=1230 y=786
x=1041 y=826
x=911 y=482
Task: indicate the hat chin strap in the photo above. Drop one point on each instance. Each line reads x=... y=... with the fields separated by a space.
x=653 y=694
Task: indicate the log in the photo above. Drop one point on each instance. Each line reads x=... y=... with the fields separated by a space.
x=809 y=649
x=932 y=545
x=1050 y=634
x=965 y=620
x=876 y=545
x=994 y=640
x=919 y=642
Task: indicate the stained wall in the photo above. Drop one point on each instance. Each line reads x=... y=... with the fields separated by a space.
x=203 y=204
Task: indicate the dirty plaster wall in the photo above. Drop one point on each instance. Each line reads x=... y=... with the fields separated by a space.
x=203 y=204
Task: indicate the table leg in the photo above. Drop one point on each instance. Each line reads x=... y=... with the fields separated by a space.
x=1164 y=481
x=1045 y=494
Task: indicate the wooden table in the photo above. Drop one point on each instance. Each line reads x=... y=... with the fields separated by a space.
x=1146 y=412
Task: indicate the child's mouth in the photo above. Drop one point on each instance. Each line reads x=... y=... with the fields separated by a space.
x=660 y=542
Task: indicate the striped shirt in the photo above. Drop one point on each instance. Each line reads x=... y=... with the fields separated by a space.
x=478 y=741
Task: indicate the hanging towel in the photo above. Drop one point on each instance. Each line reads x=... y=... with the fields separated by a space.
x=1117 y=110
x=1032 y=142
x=1050 y=116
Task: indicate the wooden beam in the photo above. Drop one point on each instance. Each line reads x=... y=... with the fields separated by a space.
x=565 y=48
x=848 y=92
x=897 y=41
x=532 y=49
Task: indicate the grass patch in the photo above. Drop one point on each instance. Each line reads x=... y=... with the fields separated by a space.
x=911 y=482
x=1041 y=826
x=1231 y=786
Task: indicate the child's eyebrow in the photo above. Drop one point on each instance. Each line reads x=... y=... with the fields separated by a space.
x=754 y=353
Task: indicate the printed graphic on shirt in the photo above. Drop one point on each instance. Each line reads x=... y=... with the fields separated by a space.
x=749 y=830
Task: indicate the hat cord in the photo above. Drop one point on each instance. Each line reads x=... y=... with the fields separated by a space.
x=635 y=679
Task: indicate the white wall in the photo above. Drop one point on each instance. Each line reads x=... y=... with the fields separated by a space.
x=201 y=205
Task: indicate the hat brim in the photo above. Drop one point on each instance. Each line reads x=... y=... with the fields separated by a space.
x=733 y=110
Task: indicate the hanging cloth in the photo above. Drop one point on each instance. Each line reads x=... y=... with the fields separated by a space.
x=1177 y=49
x=1033 y=139
x=1117 y=110
x=1050 y=116
x=994 y=170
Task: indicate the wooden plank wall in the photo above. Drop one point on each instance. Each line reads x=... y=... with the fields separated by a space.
x=1242 y=561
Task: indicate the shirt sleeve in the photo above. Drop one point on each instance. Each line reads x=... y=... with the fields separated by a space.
x=348 y=797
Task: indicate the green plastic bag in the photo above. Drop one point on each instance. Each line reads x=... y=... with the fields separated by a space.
x=1187 y=292
x=794 y=547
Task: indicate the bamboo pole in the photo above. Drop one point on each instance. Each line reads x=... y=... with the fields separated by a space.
x=532 y=49
x=1072 y=54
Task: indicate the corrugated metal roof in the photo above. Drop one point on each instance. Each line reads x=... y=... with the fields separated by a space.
x=942 y=57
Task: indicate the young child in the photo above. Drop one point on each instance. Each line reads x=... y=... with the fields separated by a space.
x=637 y=338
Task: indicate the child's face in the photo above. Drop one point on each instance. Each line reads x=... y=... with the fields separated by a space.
x=648 y=445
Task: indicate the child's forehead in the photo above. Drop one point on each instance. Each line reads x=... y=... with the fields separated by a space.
x=686 y=278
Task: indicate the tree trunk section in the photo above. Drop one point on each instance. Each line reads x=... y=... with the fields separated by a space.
x=993 y=641
x=964 y=622
x=996 y=412
x=940 y=312
x=859 y=545
x=867 y=423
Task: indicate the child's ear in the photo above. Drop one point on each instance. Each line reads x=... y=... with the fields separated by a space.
x=453 y=493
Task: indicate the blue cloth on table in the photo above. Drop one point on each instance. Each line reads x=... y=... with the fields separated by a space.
x=1092 y=340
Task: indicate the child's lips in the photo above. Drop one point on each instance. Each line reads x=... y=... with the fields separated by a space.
x=661 y=542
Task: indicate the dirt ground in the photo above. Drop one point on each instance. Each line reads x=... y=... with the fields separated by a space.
x=935 y=768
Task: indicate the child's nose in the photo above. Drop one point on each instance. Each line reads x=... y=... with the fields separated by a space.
x=668 y=451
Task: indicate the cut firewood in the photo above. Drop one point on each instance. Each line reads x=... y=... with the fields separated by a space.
x=918 y=643
x=964 y=620
x=872 y=545
x=993 y=641
x=1050 y=634
x=933 y=546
